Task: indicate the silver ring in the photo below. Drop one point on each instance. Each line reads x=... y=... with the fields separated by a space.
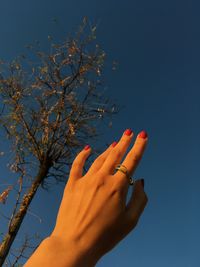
x=123 y=169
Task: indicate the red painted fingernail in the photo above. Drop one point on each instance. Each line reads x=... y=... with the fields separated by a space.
x=128 y=132
x=143 y=134
x=86 y=147
x=142 y=181
x=114 y=144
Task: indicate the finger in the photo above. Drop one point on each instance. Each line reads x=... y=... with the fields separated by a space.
x=76 y=171
x=132 y=212
x=100 y=159
x=131 y=162
x=135 y=206
x=117 y=153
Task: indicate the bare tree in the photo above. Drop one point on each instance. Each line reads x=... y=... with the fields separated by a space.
x=50 y=109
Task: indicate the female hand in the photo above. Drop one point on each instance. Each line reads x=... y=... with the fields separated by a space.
x=93 y=212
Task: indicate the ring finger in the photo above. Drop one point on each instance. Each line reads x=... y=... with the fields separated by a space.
x=100 y=159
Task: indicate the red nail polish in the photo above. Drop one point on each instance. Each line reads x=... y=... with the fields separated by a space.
x=86 y=147
x=128 y=132
x=142 y=181
x=143 y=134
x=114 y=144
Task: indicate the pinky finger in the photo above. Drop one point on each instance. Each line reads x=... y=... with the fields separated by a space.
x=76 y=171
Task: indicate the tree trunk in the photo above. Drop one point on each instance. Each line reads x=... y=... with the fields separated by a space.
x=18 y=218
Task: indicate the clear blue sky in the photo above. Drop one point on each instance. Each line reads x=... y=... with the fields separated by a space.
x=157 y=45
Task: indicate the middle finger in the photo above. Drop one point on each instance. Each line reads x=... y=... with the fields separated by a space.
x=116 y=155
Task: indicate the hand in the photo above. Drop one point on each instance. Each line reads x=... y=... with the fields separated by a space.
x=93 y=212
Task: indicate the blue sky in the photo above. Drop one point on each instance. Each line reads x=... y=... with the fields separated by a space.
x=156 y=44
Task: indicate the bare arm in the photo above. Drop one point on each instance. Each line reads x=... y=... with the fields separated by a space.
x=93 y=216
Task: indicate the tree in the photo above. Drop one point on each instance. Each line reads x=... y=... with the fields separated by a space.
x=49 y=111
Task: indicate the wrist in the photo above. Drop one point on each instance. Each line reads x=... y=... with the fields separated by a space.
x=48 y=254
x=74 y=254
x=53 y=252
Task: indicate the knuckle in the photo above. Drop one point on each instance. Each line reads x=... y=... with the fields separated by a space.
x=124 y=138
x=117 y=187
x=101 y=176
x=101 y=173
x=124 y=142
x=99 y=181
x=117 y=153
x=99 y=184
x=76 y=164
x=135 y=157
x=100 y=158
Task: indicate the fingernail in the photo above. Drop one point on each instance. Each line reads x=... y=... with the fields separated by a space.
x=114 y=144
x=86 y=147
x=142 y=181
x=143 y=134
x=128 y=132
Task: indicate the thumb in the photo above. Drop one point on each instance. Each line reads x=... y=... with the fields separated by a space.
x=136 y=204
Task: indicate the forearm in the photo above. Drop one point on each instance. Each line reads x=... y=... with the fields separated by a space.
x=51 y=253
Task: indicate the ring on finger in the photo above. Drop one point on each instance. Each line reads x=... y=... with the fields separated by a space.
x=124 y=170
